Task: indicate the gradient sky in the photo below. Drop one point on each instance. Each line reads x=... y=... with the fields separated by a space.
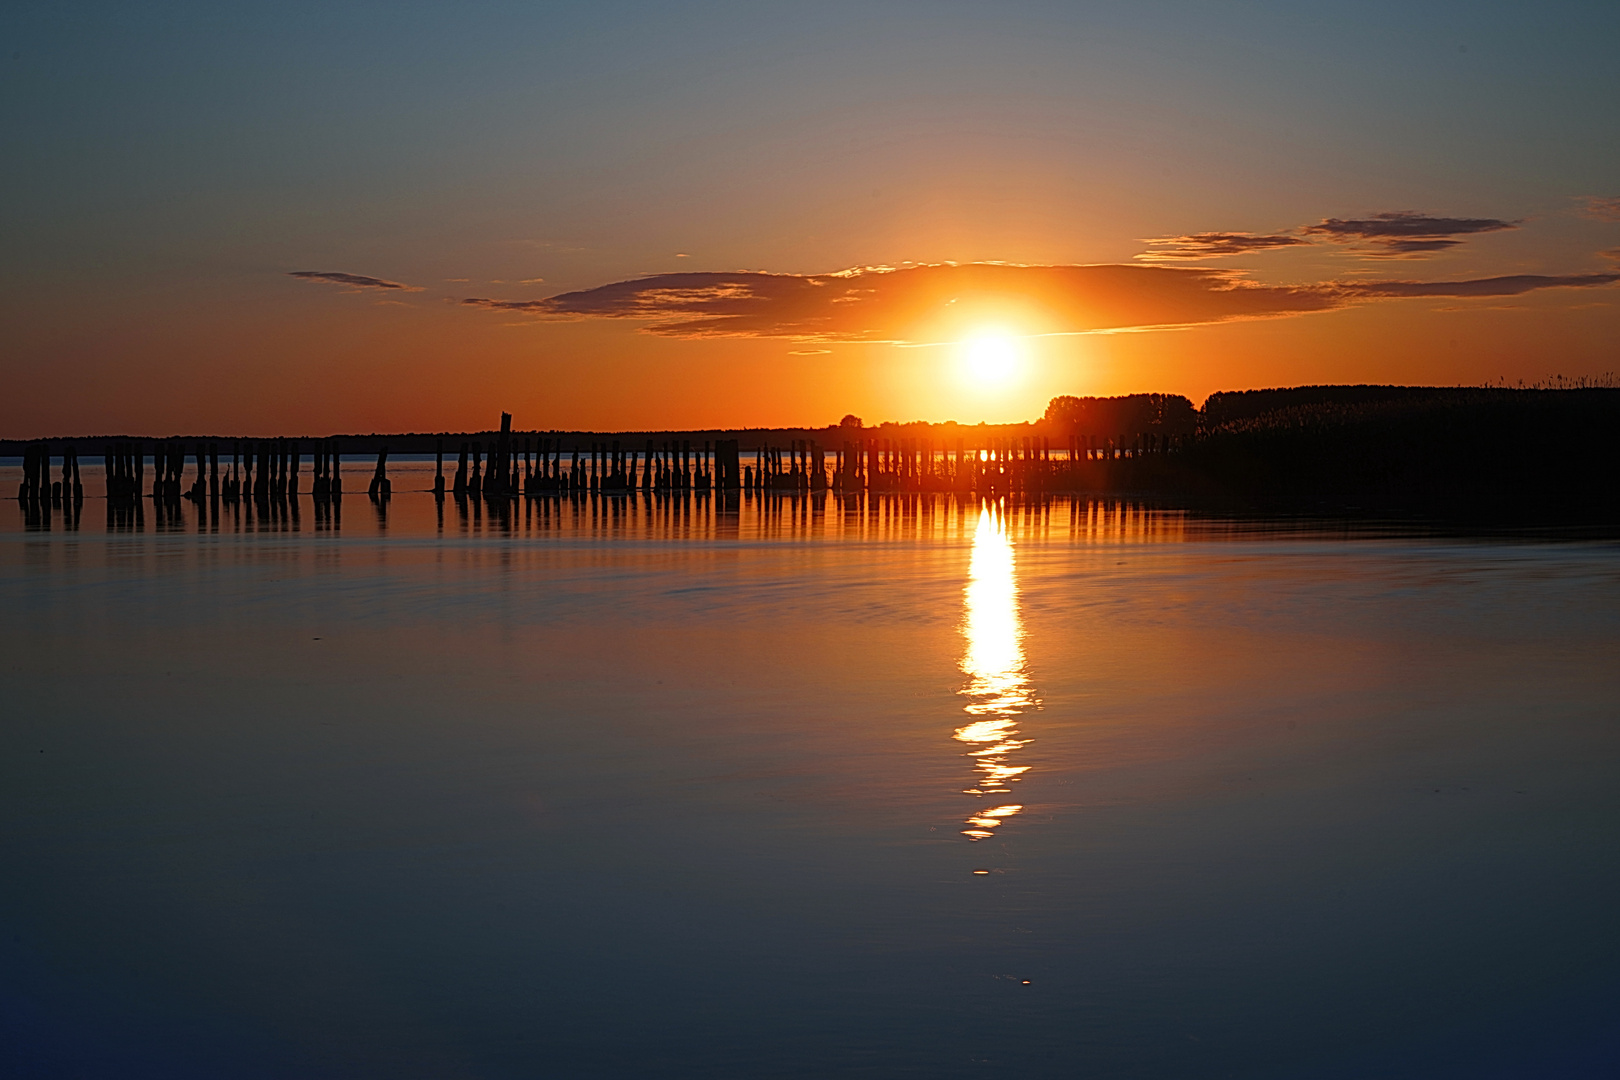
x=172 y=169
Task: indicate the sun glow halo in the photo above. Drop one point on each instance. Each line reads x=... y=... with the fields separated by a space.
x=992 y=359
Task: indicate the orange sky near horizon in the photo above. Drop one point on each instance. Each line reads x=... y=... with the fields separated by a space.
x=346 y=364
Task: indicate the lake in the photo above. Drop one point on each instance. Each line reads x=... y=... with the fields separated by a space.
x=801 y=787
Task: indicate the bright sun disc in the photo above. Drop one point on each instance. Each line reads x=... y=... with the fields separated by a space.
x=991 y=359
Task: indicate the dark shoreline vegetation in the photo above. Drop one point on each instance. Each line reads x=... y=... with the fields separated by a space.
x=1468 y=456
x=1479 y=456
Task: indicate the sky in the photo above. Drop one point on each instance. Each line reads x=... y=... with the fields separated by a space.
x=307 y=219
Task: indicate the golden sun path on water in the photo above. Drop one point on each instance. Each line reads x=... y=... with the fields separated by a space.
x=998 y=688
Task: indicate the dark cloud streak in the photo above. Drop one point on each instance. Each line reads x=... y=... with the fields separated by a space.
x=354 y=281
x=944 y=302
x=1511 y=285
x=1405 y=232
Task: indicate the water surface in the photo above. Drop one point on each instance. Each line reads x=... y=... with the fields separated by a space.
x=801 y=788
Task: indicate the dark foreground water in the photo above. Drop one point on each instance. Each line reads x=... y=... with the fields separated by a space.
x=802 y=789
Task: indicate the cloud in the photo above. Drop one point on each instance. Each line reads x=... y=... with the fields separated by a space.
x=1209 y=245
x=1393 y=234
x=1511 y=285
x=1613 y=254
x=946 y=302
x=354 y=281
x=1602 y=207
x=1404 y=232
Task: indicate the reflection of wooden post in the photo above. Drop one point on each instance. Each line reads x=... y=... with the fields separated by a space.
x=438 y=469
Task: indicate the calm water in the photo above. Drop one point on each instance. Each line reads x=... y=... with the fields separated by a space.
x=802 y=789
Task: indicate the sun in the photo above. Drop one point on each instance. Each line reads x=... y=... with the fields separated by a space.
x=992 y=359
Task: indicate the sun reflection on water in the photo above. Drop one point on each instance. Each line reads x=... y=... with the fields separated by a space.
x=998 y=688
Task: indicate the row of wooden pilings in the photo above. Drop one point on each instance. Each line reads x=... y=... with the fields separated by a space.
x=37 y=485
x=263 y=469
x=542 y=466
x=269 y=469
x=1031 y=463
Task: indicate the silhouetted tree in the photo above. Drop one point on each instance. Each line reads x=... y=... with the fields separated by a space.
x=1129 y=416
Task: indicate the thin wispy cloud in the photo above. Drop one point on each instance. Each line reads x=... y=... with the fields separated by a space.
x=1212 y=245
x=944 y=302
x=1602 y=207
x=1510 y=285
x=352 y=281
x=1404 y=233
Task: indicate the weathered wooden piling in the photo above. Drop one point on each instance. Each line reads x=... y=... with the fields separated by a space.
x=30 y=489
x=497 y=477
x=380 y=486
x=199 y=487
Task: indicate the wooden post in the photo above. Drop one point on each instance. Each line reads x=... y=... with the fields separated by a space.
x=498 y=479
x=380 y=487
x=727 y=462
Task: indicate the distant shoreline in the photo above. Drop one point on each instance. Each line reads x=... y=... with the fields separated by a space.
x=1507 y=455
